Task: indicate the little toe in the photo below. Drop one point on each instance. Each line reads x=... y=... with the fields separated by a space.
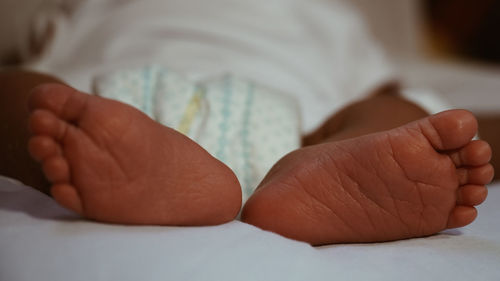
x=43 y=122
x=450 y=129
x=461 y=216
x=56 y=169
x=43 y=147
x=476 y=175
x=476 y=153
x=65 y=102
x=68 y=197
x=471 y=195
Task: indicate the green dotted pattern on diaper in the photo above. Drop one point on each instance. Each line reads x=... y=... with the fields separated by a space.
x=246 y=126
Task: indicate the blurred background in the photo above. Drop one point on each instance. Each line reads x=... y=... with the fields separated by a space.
x=463 y=29
x=450 y=46
x=452 y=29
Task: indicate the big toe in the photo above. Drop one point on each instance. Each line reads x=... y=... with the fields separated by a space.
x=65 y=102
x=450 y=129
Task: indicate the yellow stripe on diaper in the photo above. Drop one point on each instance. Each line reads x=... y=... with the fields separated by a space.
x=192 y=108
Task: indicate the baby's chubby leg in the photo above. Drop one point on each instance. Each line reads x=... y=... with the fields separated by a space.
x=109 y=162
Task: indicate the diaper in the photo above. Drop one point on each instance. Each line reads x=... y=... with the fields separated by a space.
x=244 y=125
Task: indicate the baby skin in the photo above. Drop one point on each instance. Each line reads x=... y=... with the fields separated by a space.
x=109 y=162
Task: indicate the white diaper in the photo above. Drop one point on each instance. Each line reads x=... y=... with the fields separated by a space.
x=246 y=126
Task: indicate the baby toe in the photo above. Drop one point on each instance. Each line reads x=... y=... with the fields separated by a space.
x=43 y=122
x=476 y=153
x=43 y=147
x=471 y=195
x=56 y=169
x=461 y=216
x=476 y=175
x=65 y=102
x=450 y=129
x=68 y=197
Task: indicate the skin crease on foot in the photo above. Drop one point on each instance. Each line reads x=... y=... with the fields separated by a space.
x=109 y=162
x=412 y=181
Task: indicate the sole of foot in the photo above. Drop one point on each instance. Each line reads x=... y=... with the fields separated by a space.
x=412 y=181
x=109 y=162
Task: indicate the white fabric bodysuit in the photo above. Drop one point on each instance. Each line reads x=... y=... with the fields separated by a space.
x=315 y=54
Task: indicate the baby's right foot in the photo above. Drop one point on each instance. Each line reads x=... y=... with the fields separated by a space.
x=411 y=181
x=109 y=162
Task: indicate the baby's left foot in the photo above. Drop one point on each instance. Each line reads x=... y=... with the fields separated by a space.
x=411 y=181
x=109 y=162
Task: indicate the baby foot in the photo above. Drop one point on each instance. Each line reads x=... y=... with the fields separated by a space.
x=412 y=181
x=109 y=162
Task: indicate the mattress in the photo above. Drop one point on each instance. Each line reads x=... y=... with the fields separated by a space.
x=41 y=241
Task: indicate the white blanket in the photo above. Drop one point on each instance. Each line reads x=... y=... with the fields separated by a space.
x=41 y=241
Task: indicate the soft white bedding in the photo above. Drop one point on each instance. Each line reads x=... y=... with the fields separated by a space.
x=41 y=241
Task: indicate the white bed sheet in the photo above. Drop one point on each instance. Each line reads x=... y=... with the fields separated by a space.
x=41 y=241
